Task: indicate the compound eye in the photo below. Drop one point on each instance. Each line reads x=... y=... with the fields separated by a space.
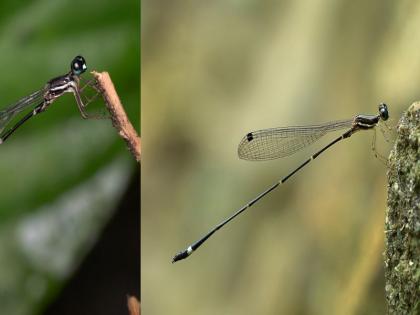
x=383 y=111
x=78 y=65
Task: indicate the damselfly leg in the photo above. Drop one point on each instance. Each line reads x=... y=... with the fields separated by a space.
x=91 y=85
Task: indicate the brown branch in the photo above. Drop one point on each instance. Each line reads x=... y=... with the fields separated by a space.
x=133 y=305
x=119 y=118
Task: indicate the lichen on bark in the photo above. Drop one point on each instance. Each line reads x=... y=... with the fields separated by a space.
x=402 y=222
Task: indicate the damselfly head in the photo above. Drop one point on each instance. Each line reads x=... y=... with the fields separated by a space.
x=383 y=111
x=78 y=65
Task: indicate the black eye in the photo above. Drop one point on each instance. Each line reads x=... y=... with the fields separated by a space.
x=78 y=65
x=383 y=111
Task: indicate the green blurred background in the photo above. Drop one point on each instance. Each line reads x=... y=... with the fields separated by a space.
x=213 y=71
x=61 y=177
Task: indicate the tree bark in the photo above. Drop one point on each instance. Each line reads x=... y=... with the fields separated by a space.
x=402 y=222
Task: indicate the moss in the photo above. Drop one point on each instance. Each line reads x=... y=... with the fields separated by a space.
x=402 y=222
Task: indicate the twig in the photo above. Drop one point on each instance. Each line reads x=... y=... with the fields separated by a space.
x=119 y=118
x=133 y=305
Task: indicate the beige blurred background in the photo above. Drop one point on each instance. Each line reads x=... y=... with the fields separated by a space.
x=213 y=71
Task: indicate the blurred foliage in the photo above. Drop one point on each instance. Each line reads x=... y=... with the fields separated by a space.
x=213 y=71
x=60 y=176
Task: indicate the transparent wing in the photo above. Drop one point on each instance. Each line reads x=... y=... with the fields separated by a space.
x=279 y=142
x=9 y=112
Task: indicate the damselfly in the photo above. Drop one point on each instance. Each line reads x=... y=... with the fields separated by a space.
x=275 y=143
x=41 y=99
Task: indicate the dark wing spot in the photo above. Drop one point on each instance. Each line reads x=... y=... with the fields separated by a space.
x=249 y=137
